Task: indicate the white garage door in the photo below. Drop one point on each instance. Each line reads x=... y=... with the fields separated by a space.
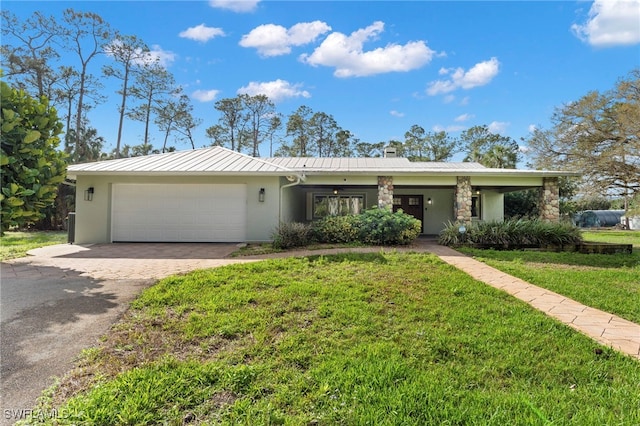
x=178 y=213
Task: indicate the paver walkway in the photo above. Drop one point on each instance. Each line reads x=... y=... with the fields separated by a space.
x=606 y=328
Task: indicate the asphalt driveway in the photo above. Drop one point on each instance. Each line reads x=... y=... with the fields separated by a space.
x=61 y=299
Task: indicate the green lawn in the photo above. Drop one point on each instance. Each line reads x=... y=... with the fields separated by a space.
x=617 y=237
x=607 y=282
x=17 y=244
x=378 y=339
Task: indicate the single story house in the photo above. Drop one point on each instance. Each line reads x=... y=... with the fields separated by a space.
x=218 y=195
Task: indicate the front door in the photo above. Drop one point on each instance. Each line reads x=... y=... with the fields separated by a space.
x=410 y=204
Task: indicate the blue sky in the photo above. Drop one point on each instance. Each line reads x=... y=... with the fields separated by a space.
x=378 y=67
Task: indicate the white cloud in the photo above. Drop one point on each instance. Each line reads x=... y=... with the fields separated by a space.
x=201 y=33
x=464 y=117
x=611 y=23
x=465 y=101
x=448 y=129
x=163 y=57
x=479 y=75
x=276 y=90
x=498 y=127
x=275 y=40
x=396 y=113
x=205 y=95
x=532 y=128
x=235 y=5
x=140 y=57
x=347 y=55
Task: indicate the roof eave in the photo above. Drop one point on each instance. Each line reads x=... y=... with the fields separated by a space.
x=364 y=172
x=492 y=173
x=73 y=174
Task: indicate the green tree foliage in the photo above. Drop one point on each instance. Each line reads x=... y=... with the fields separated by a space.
x=316 y=134
x=490 y=149
x=32 y=167
x=131 y=56
x=521 y=204
x=86 y=35
x=231 y=124
x=299 y=129
x=324 y=127
x=420 y=145
x=367 y=149
x=174 y=116
x=259 y=111
x=599 y=136
x=30 y=52
x=153 y=85
x=90 y=140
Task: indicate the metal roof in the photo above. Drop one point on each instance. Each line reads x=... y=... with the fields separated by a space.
x=214 y=160
x=399 y=166
x=222 y=161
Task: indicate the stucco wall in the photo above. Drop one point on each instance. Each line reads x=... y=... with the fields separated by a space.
x=492 y=205
x=93 y=218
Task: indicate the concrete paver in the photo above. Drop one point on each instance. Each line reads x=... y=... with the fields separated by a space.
x=607 y=329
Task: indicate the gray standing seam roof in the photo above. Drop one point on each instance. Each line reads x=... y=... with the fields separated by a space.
x=223 y=161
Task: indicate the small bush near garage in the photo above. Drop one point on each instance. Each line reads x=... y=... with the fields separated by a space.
x=511 y=234
x=374 y=227
x=291 y=235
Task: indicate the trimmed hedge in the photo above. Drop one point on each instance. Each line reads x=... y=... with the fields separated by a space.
x=512 y=233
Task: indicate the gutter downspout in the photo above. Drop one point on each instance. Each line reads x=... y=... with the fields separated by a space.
x=299 y=179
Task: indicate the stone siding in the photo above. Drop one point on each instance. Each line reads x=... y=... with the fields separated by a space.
x=550 y=199
x=462 y=206
x=385 y=192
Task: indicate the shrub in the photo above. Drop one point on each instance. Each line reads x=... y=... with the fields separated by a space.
x=519 y=232
x=291 y=234
x=337 y=229
x=373 y=226
x=384 y=227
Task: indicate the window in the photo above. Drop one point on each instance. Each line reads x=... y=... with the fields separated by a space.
x=475 y=206
x=337 y=205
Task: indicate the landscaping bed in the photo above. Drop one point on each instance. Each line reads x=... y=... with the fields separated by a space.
x=585 y=247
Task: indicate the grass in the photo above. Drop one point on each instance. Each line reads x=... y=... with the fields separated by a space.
x=382 y=338
x=617 y=237
x=17 y=244
x=607 y=282
x=259 y=249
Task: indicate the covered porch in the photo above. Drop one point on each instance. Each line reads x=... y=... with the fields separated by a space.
x=434 y=200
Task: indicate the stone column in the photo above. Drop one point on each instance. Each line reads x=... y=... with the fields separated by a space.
x=462 y=206
x=385 y=192
x=550 y=199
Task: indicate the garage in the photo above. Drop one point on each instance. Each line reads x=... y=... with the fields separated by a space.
x=178 y=212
